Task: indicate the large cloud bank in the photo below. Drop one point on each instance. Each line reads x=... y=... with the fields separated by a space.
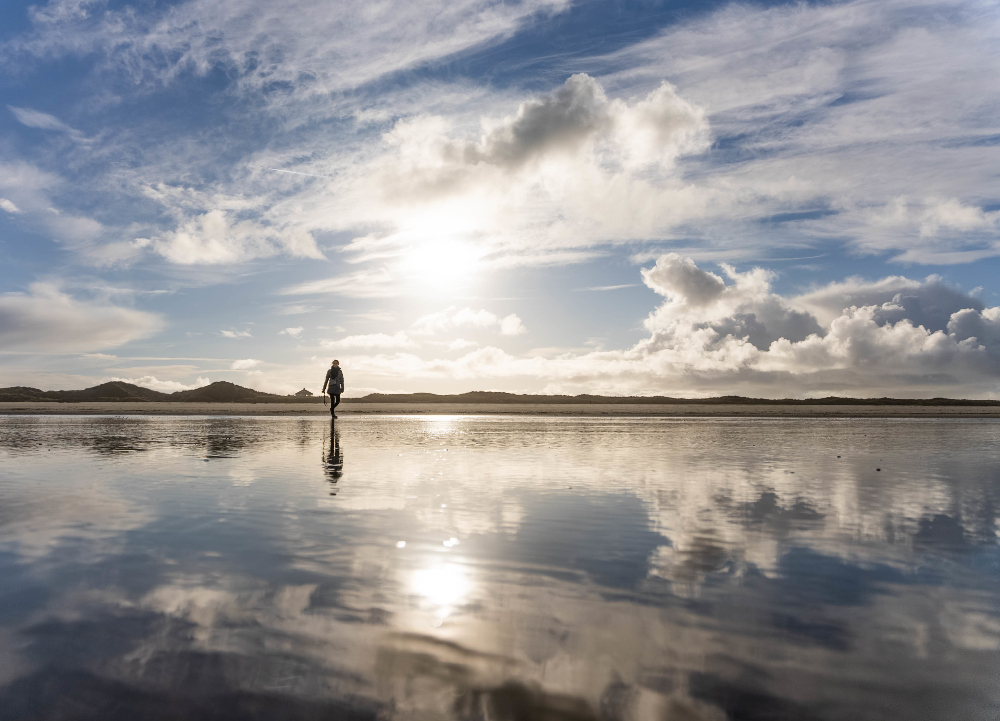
x=820 y=112
x=603 y=167
x=732 y=333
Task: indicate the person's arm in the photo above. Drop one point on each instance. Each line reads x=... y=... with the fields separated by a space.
x=326 y=380
x=342 y=385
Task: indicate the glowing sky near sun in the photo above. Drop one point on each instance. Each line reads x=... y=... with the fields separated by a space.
x=539 y=196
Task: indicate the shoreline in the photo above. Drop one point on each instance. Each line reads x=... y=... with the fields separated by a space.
x=521 y=409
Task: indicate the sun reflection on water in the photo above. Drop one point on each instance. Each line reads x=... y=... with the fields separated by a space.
x=443 y=587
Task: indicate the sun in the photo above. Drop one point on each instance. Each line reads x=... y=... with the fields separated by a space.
x=441 y=266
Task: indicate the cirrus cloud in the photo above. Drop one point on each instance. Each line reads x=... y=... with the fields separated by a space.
x=372 y=340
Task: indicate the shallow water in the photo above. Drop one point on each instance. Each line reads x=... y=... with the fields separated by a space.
x=498 y=568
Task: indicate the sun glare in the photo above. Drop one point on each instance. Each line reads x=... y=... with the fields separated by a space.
x=442 y=586
x=441 y=265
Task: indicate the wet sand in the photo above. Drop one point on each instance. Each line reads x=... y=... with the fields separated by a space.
x=540 y=409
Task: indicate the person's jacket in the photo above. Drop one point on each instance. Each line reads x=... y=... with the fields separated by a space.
x=334 y=381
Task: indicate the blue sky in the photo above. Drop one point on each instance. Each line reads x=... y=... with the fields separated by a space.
x=611 y=197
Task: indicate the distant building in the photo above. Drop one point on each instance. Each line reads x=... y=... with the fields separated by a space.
x=304 y=393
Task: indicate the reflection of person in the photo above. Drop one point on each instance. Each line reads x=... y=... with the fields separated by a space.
x=335 y=381
x=333 y=461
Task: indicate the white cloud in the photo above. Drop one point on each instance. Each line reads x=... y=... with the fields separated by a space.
x=450 y=318
x=461 y=344
x=244 y=364
x=653 y=131
x=377 y=283
x=293 y=332
x=297 y=309
x=44 y=121
x=372 y=340
x=843 y=109
x=233 y=333
x=323 y=48
x=827 y=115
x=712 y=336
x=214 y=237
x=48 y=319
x=604 y=288
x=931 y=228
x=512 y=325
x=155 y=384
x=28 y=192
x=572 y=168
x=929 y=303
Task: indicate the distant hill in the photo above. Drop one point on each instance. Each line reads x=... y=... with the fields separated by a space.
x=220 y=392
x=225 y=392
x=112 y=391
x=118 y=391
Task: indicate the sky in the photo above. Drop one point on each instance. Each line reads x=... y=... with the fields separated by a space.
x=558 y=196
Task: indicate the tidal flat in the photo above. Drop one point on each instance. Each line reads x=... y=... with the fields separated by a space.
x=499 y=567
x=632 y=410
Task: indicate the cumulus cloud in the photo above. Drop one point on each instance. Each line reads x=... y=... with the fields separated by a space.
x=47 y=319
x=654 y=130
x=744 y=309
x=929 y=303
x=820 y=111
x=293 y=332
x=571 y=168
x=244 y=364
x=214 y=237
x=825 y=126
x=512 y=325
x=233 y=333
x=154 y=383
x=732 y=333
x=451 y=318
x=9 y=207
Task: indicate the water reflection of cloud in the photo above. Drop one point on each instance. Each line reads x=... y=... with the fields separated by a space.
x=76 y=513
x=609 y=570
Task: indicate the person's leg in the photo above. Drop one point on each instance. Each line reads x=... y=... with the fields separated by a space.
x=334 y=402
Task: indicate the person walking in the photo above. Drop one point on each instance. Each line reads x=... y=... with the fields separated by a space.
x=335 y=382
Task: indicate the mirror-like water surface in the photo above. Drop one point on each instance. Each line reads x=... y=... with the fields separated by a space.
x=498 y=568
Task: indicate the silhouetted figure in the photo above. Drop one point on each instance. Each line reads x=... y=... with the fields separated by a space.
x=333 y=458
x=335 y=381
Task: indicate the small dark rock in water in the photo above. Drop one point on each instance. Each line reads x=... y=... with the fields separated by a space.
x=838 y=456
x=878 y=469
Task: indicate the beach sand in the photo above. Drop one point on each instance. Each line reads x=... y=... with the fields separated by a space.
x=549 y=409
